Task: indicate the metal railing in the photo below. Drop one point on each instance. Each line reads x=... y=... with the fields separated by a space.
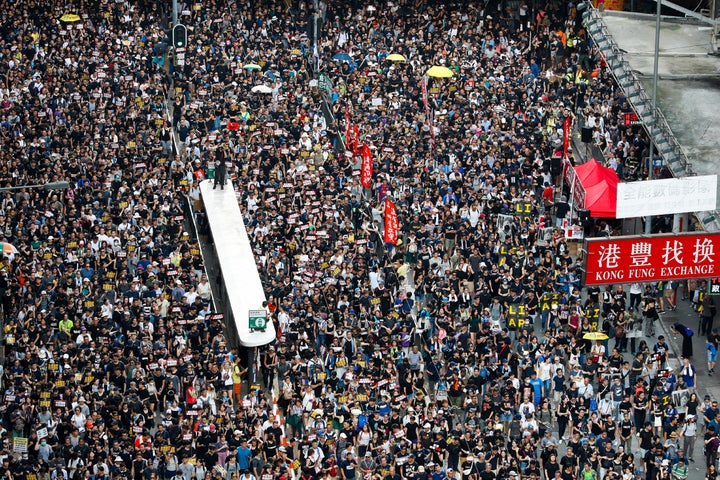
x=635 y=94
x=627 y=79
x=190 y=220
x=189 y=212
x=584 y=151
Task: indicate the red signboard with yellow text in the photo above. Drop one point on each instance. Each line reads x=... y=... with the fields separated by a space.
x=651 y=258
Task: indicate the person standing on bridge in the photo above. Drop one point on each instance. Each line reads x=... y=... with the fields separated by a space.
x=220 y=170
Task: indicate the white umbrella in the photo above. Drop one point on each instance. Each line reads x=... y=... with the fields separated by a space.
x=261 y=89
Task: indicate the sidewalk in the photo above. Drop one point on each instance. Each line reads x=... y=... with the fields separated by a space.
x=706 y=385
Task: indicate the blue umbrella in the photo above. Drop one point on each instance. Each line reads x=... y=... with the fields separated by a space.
x=343 y=57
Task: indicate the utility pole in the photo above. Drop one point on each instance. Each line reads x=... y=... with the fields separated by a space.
x=316 y=53
x=651 y=166
x=175 y=12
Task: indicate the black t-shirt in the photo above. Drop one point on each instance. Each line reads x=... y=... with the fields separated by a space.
x=561 y=209
x=661 y=349
x=610 y=428
x=575 y=446
x=551 y=468
x=646 y=437
x=408 y=470
x=487 y=475
x=635 y=370
x=411 y=431
x=626 y=428
x=669 y=429
x=571 y=461
x=348 y=467
x=607 y=457
x=590 y=370
x=533 y=470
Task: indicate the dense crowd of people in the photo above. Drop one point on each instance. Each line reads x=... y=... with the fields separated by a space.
x=458 y=352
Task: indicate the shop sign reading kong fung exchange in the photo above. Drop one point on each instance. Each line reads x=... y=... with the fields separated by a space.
x=651 y=258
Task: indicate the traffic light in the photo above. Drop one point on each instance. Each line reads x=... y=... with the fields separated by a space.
x=179 y=36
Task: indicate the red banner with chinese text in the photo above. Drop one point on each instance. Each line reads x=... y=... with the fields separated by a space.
x=366 y=169
x=391 y=222
x=347 y=127
x=566 y=136
x=651 y=258
x=356 y=140
x=426 y=105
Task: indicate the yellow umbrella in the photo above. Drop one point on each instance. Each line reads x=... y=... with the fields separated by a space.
x=439 y=72
x=295 y=51
x=595 y=336
x=396 y=57
x=70 y=17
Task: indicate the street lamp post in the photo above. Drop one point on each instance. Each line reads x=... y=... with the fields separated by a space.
x=651 y=166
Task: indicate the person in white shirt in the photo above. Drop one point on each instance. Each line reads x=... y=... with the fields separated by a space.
x=527 y=408
x=203 y=288
x=689 y=432
x=585 y=389
x=78 y=419
x=374 y=278
x=82 y=336
x=191 y=295
x=544 y=372
x=597 y=352
x=308 y=399
x=636 y=291
x=529 y=423
x=605 y=406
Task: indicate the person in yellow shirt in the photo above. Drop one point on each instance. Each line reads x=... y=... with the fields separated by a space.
x=65 y=327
